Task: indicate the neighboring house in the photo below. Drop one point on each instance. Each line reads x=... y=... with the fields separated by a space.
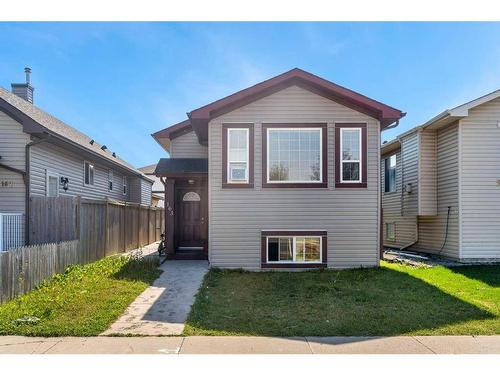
x=282 y=174
x=441 y=184
x=158 y=196
x=42 y=156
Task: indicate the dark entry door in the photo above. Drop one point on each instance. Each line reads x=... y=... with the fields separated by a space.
x=191 y=218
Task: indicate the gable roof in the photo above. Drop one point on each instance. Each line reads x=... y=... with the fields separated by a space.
x=446 y=117
x=199 y=118
x=36 y=121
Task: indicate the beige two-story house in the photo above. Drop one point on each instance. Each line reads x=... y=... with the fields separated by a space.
x=283 y=174
x=441 y=184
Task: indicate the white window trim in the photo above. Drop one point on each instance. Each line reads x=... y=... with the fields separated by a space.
x=320 y=181
x=294 y=250
x=360 y=161
x=393 y=231
x=247 y=162
x=395 y=174
x=48 y=174
x=124 y=185
x=111 y=177
x=93 y=174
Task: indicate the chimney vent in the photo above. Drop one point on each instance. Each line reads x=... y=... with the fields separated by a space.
x=24 y=90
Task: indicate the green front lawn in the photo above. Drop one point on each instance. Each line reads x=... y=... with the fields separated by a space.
x=390 y=300
x=83 y=301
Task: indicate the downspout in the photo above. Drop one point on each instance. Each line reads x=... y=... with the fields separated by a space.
x=27 y=184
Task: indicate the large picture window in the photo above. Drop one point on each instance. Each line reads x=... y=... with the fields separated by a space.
x=350 y=154
x=293 y=249
x=237 y=154
x=294 y=155
x=390 y=174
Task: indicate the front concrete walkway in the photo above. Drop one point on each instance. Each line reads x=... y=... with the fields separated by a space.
x=252 y=345
x=163 y=308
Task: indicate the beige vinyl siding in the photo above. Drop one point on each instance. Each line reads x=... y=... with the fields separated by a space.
x=46 y=156
x=187 y=146
x=146 y=192
x=480 y=152
x=432 y=229
x=13 y=143
x=409 y=165
x=237 y=216
x=405 y=226
x=427 y=188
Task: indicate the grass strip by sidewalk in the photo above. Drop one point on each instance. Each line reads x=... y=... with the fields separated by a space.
x=386 y=301
x=83 y=301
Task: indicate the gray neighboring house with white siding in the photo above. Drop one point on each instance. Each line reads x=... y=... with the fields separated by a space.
x=283 y=174
x=42 y=156
x=441 y=184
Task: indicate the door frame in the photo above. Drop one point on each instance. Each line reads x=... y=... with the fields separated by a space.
x=199 y=186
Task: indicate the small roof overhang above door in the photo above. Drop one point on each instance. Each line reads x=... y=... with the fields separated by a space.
x=181 y=167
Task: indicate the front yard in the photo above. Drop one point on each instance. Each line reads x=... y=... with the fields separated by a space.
x=83 y=301
x=391 y=300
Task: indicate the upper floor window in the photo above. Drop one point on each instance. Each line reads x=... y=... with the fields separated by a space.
x=237 y=155
x=295 y=155
x=350 y=155
x=52 y=184
x=88 y=172
x=390 y=174
x=124 y=184
x=110 y=180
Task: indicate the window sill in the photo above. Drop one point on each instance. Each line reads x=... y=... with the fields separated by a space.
x=293 y=265
x=298 y=185
x=226 y=185
x=350 y=185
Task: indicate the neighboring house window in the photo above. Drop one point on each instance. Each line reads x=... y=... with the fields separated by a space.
x=350 y=155
x=237 y=155
x=390 y=232
x=293 y=249
x=390 y=174
x=88 y=173
x=110 y=180
x=52 y=184
x=294 y=155
x=124 y=181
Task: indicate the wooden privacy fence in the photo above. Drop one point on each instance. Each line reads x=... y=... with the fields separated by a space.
x=104 y=227
x=23 y=269
x=66 y=230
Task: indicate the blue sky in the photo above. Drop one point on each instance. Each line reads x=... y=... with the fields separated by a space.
x=120 y=82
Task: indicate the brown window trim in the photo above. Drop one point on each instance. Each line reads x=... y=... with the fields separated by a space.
x=364 y=150
x=249 y=184
x=324 y=248
x=324 y=139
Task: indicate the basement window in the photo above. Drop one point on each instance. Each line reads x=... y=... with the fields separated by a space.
x=390 y=231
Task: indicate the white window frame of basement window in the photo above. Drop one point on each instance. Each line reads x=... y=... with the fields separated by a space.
x=393 y=238
x=360 y=161
x=294 y=244
x=247 y=162
x=320 y=181
x=49 y=174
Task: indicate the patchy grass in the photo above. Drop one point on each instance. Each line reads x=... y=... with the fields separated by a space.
x=390 y=300
x=83 y=301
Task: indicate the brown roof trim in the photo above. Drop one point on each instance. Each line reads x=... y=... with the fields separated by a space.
x=174 y=131
x=384 y=113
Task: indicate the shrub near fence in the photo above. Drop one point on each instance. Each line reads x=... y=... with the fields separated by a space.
x=80 y=231
x=23 y=269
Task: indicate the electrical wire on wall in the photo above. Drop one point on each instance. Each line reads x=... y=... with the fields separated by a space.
x=446 y=231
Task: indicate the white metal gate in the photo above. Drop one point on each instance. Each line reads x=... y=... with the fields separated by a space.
x=11 y=231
